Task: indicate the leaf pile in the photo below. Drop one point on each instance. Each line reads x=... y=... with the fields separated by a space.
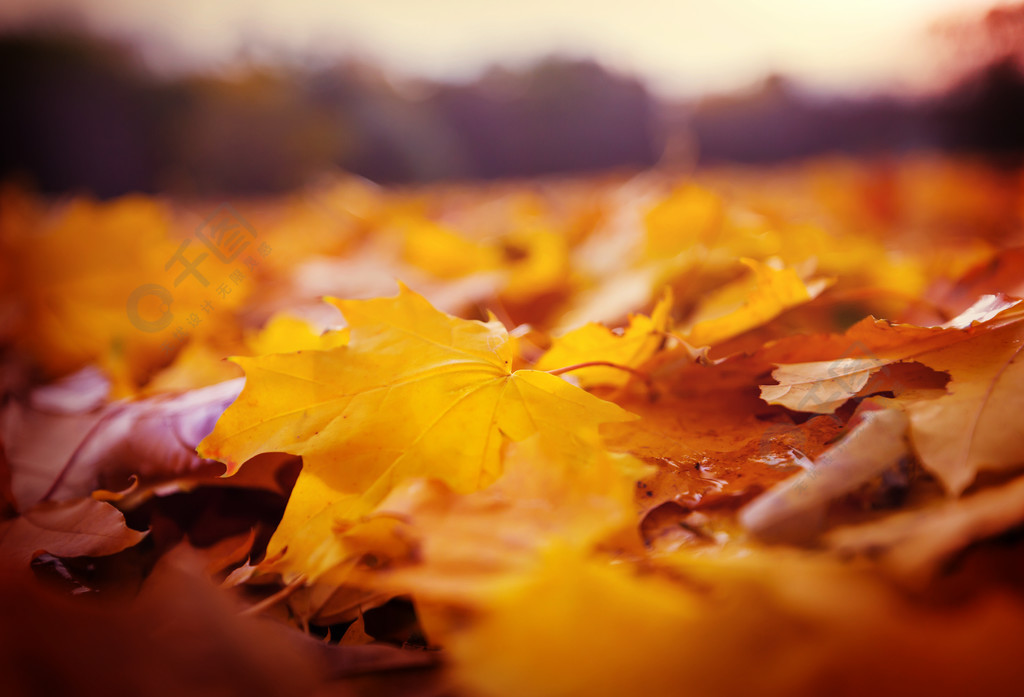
x=737 y=432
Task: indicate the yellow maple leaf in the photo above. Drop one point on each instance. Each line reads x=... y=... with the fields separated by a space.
x=415 y=393
x=596 y=342
x=197 y=365
x=285 y=333
x=201 y=362
x=749 y=302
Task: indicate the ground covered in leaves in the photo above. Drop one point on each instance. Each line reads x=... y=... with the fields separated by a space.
x=726 y=433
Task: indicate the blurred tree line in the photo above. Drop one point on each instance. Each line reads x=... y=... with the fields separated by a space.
x=982 y=114
x=84 y=113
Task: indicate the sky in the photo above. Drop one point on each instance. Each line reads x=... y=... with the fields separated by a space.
x=681 y=48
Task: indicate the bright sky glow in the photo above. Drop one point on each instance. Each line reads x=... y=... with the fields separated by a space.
x=681 y=47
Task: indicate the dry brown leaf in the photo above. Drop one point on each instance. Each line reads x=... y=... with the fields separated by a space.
x=75 y=528
x=914 y=543
x=790 y=509
x=66 y=448
x=976 y=426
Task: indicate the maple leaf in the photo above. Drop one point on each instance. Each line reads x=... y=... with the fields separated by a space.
x=749 y=302
x=596 y=343
x=369 y=272
x=714 y=443
x=197 y=365
x=201 y=362
x=537 y=263
x=414 y=393
x=285 y=333
x=711 y=431
x=189 y=623
x=510 y=507
x=990 y=275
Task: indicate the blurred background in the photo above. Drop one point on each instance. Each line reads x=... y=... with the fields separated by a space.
x=198 y=98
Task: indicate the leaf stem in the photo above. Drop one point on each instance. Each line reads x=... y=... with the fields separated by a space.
x=599 y=364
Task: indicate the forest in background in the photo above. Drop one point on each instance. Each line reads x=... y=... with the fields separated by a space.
x=84 y=113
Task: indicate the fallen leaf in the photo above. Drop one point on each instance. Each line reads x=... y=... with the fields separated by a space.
x=999 y=273
x=978 y=351
x=596 y=343
x=356 y=634
x=539 y=612
x=414 y=393
x=743 y=305
x=460 y=508
x=285 y=333
x=798 y=624
x=551 y=494
x=76 y=528
x=788 y=510
x=914 y=543
x=92 y=278
x=690 y=216
x=59 y=451
x=710 y=435
x=536 y=261
x=195 y=642
x=197 y=365
x=443 y=252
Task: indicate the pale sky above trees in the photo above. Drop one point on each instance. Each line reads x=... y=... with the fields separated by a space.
x=682 y=47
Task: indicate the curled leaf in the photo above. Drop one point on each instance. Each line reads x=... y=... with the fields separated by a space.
x=749 y=302
x=870 y=448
